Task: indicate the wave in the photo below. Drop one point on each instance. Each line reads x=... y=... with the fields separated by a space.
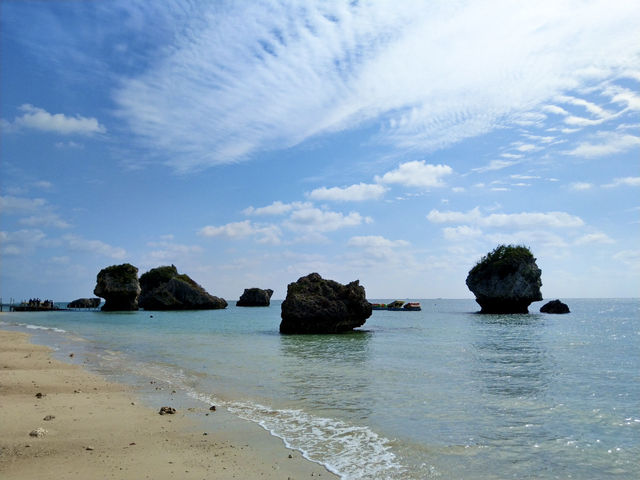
x=351 y=451
x=33 y=327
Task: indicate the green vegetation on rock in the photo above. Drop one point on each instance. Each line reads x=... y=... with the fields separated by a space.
x=503 y=260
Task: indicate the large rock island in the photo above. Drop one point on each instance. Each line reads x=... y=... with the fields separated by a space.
x=315 y=305
x=163 y=288
x=119 y=286
x=255 y=297
x=506 y=280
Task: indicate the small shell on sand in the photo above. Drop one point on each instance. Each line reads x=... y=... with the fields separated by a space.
x=38 y=432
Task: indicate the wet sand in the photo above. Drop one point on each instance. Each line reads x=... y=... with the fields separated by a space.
x=91 y=428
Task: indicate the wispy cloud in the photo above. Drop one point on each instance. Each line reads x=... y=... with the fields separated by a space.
x=97 y=247
x=237 y=79
x=624 y=182
x=510 y=220
x=605 y=143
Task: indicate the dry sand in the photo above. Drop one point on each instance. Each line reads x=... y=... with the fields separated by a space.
x=96 y=429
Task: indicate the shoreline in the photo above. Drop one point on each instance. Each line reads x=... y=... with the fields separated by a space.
x=99 y=429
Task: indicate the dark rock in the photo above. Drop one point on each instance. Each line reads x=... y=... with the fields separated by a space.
x=255 y=297
x=84 y=303
x=119 y=286
x=315 y=305
x=163 y=288
x=555 y=306
x=167 y=411
x=506 y=280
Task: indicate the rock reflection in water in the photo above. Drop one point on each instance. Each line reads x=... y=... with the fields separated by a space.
x=329 y=371
x=511 y=356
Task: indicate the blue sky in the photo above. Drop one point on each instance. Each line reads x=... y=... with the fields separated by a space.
x=251 y=143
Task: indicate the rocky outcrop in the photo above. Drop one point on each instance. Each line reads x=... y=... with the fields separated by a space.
x=507 y=280
x=163 y=288
x=84 y=303
x=555 y=306
x=119 y=286
x=315 y=305
x=255 y=297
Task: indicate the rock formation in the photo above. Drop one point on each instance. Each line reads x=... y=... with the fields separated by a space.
x=163 y=288
x=255 y=297
x=84 y=303
x=315 y=305
x=506 y=280
x=119 y=286
x=555 y=306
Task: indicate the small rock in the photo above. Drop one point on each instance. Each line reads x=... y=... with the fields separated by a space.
x=167 y=411
x=290 y=456
x=40 y=395
x=212 y=408
x=38 y=432
x=71 y=355
x=49 y=417
x=90 y=448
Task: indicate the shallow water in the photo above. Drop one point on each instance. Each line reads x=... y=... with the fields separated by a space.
x=441 y=393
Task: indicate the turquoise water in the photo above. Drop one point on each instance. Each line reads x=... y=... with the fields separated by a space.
x=442 y=393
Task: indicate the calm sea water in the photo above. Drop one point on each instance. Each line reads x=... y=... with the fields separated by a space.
x=442 y=393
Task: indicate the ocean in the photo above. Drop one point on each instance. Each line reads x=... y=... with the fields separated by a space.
x=442 y=393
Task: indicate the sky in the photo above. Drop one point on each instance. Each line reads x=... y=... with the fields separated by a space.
x=252 y=143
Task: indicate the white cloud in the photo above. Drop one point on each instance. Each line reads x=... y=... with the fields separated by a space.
x=237 y=77
x=353 y=193
x=581 y=186
x=495 y=165
x=507 y=220
x=237 y=230
x=626 y=182
x=417 y=174
x=609 y=143
x=460 y=233
x=21 y=242
x=41 y=213
x=630 y=258
x=375 y=242
x=39 y=119
x=276 y=208
x=45 y=219
x=376 y=247
x=594 y=238
x=317 y=220
x=556 y=110
x=10 y=205
x=75 y=242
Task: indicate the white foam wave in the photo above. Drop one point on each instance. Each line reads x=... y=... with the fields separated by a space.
x=353 y=452
x=35 y=327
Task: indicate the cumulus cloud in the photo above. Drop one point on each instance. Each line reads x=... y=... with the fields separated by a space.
x=417 y=174
x=316 y=220
x=353 y=193
x=237 y=230
x=39 y=119
x=378 y=247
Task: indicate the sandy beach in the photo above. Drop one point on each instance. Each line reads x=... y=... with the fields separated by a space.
x=58 y=421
